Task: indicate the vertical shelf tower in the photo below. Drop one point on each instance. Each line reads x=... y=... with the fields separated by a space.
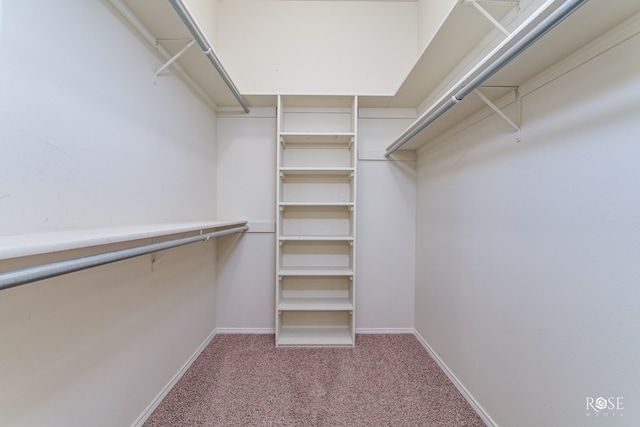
x=315 y=227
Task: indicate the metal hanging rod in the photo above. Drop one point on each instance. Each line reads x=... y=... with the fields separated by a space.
x=23 y=276
x=485 y=70
x=190 y=23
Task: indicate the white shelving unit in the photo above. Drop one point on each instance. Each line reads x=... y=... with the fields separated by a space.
x=316 y=202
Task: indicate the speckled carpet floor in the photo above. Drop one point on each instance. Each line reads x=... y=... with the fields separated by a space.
x=243 y=380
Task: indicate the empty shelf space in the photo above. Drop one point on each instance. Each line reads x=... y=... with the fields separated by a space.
x=315 y=304
x=321 y=188
x=315 y=328
x=317 y=156
x=301 y=221
x=315 y=254
x=328 y=293
x=315 y=336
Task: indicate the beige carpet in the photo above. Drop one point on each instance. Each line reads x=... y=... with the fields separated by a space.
x=243 y=380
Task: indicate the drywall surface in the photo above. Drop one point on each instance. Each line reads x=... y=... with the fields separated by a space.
x=385 y=261
x=431 y=15
x=527 y=253
x=247 y=189
x=96 y=347
x=317 y=47
x=88 y=140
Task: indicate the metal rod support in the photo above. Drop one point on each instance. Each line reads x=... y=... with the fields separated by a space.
x=23 y=276
x=466 y=86
x=189 y=22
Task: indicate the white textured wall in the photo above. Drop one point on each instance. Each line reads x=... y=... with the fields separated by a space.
x=317 y=47
x=246 y=189
x=527 y=254
x=385 y=229
x=87 y=140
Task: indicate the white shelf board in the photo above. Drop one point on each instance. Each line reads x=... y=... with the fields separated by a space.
x=316 y=271
x=316 y=238
x=315 y=336
x=291 y=101
x=319 y=204
x=315 y=304
x=19 y=245
x=343 y=138
x=316 y=171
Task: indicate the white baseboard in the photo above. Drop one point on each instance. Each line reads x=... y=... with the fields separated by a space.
x=385 y=330
x=465 y=393
x=246 y=331
x=155 y=402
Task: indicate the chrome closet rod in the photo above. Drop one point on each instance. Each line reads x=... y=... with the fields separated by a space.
x=464 y=88
x=23 y=276
x=189 y=22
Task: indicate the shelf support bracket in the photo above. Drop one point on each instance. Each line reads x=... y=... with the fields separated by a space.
x=174 y=57
x=486 y=14
x=495 y=108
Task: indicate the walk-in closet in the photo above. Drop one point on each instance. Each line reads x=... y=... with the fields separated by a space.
x=319 y=212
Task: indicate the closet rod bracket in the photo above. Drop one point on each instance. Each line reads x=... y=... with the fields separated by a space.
x=174 y=58
x=495 y=108
x=486 y=14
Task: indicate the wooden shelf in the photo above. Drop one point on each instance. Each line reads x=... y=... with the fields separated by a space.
x=20 y=245
x=315 y=336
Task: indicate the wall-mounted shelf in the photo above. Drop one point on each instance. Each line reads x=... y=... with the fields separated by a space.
x=310 y=139
x=315 y=271
x=312 y=238
x=21 y=245
x=466 y=36
x=162 y=28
